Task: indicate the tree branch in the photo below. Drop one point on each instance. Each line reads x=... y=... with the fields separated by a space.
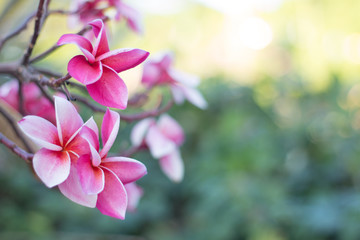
x=37 y=28
x=12 y=122
x=16 y=149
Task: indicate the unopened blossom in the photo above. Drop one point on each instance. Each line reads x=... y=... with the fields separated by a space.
x=159 y=71
x=98 y=67
x=94 y=9
x=163 y=138
x=59 y=144
x=98 y=180
x=34 y=101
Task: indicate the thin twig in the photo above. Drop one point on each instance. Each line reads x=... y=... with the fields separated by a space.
x=61 y=80
x=151 y=113
x=45 y=93
x=37 y=28
x=16 y=149
x=48 y=72
x=88 y=104
x=17 y=31
x=21 y=98
x=12 y=122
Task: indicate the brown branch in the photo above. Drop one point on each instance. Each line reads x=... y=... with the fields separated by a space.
x=35 y=36
x=88 y=104
x=12 y=122
x=152 y=113
x=16 y=149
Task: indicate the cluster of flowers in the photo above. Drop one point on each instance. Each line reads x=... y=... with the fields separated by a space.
x=70 y=156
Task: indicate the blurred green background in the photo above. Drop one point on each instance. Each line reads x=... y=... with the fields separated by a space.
x=276 y=154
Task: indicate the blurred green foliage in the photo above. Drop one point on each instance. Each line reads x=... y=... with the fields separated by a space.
x=285 y=169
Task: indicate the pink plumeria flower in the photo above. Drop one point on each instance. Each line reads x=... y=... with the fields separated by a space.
x=59 y=144
x=90 y=10
x=134 y=193
x=163 y=138
x=98 y=67
x=34 y=101
x=98 y=180
x=159 y=71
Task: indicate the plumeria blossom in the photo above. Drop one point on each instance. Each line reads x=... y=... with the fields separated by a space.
x=163 y=139
x=159 y=71
x=98 y=67
x=59 y=145
x=34 y=102
x=98 y=180
x=94 y=9
x=134 y=193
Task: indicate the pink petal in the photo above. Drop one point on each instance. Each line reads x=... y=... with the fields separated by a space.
x=127 y=169
x=41 y=132
x=91 y=178
x=139 y=130
x=93 y=126
x=171 y=129
x=133 y=17
x=123 y=59
x=112 y=201
x=71 y=188
x=90 y=136
x=83 y=43
x=194 y=96
x=96 y=159
x=172 y=165
x=184 y=78
x=151 y=74
x=78 y=146
x=109 y=130
x=166 y=61
x=178 y=94
x=86 y=73
x=134 y=193
x=110 y=90
x=52 y=167
x=158 y=143
x=101 y=44
x=68 y=120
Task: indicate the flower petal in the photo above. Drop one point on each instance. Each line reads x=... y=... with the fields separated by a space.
x=194 y=96
x=184 y=78
x=139 y=130
x=134 y=193
x=90 y=136
x=172 y=165
x=126 y=169
x=41 y=131
x=52 y=167
x=123 y=59
x=112 y=201
x=83 y=43
x=151 y=74
x=109 y=130
x=68 y=121
x=91 y=178
x=177 y=94
x=101 y=45
x=171 y=129
x=86 y=73
x=158 y=143
x=133 y=17
x=110 y=90
x=71 y=188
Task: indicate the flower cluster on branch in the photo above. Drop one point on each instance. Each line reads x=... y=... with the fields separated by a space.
x=69 y=155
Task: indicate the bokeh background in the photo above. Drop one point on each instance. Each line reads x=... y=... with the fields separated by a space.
x=276 y=154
